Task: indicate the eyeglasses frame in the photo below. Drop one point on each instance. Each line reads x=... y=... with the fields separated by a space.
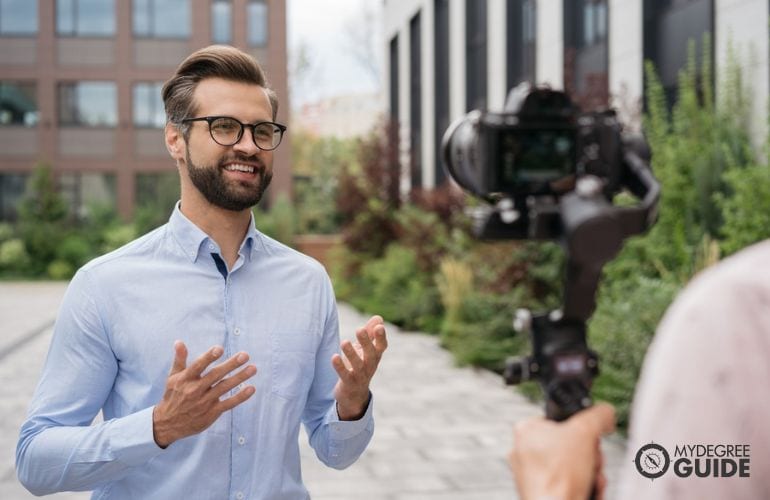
x=252 y=126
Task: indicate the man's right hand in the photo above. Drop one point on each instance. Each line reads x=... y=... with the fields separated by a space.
x=192 y=402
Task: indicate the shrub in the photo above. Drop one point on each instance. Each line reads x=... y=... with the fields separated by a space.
x=279 y=221
x=13 y=257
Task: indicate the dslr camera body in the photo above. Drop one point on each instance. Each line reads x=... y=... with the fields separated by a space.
x=550 y=172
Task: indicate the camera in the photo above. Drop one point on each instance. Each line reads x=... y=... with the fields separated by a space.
x=550 y=171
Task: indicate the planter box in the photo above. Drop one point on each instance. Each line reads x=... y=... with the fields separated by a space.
x=318 y=246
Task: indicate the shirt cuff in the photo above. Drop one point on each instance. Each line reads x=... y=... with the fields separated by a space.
x=131 y=438
x=342 y=430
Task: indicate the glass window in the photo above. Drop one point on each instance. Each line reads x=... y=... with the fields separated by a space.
x=222 y=21
x=88 y=104
x=256 y=14
x=85 y=17
x=12 y=189
x=161 y=18
x=18 y=104
x=88 y=192
x=18 y=17
x=148 y=105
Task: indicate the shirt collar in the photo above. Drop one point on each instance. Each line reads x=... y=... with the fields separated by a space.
x=192 y=239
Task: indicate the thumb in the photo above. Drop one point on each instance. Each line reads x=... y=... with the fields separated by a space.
x=180 y=357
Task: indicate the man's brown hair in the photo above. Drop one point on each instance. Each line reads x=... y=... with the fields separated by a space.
x=214 y=61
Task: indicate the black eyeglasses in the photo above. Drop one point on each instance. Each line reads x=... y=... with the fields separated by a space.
x=227 y=131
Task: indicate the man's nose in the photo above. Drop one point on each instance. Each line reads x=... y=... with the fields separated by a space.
x=246 y=144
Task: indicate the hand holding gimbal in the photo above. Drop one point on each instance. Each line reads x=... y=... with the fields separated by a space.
x=550 y=172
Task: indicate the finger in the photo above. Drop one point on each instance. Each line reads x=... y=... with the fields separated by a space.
x=373 y=322
x=220 y=371
x=356 y=363
x=600 y=486
x=598 y=419
x=180 y=357
x=339 y=366
x=367 y=346
x=380 y=339
x=229 y=383
x=236 y=399
x=205 y=360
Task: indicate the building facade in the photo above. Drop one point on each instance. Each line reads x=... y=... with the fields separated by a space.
x=447 y=57
x=80 y=88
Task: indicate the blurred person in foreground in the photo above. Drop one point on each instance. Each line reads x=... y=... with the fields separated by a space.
x=704 y=383
x=204 y=343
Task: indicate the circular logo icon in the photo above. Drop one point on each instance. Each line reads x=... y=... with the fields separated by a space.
x=652 y=461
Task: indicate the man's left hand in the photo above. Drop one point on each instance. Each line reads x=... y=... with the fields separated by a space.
x=356 y=368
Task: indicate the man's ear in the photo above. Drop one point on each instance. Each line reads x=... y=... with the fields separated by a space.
x=175 y=143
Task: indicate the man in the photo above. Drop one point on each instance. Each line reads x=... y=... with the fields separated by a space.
x=143 y=331
x=704 y=382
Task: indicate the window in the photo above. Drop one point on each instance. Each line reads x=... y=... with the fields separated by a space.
x=12 y=188
x=256 y=15
x=88 y=104
x=668 y=28
x=87 y=192
x=476 y=54
x=161 y=18
x=394 y=80
x=222 y=21
x=18 y=17
x=521 y=38
x=85 y=17
x=18 y=104
x=415 y=101
x=442 y=81
x=586 y=60
x=148 y=105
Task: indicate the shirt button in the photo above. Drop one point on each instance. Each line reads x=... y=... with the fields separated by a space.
x=211 y=246
x=237 y=331
x=239 y=495
x=241 y=440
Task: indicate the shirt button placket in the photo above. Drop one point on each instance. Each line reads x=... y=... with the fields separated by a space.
x=239 y=495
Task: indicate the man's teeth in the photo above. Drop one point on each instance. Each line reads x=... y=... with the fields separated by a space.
x=240 y=168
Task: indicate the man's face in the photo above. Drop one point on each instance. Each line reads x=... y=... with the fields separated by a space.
x=230 y=177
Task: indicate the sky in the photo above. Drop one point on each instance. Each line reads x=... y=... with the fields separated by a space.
x=324 y=28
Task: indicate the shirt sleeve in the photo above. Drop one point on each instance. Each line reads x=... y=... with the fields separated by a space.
x=58 y=448
x=702 y=383
x=336 y=443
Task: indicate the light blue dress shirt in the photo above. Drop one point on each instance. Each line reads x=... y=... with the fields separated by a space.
x=112 y=350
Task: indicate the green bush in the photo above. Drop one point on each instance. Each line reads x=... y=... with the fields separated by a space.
x=75 y=250
x=13 y=257
x=395 y=288
x=60 y=270
x=746 y=211
x=621 y=329
x=279 y=221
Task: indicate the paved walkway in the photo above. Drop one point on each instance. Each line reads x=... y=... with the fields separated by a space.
x=442 y=432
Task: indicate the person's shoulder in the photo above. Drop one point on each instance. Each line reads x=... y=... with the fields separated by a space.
x=138 y=248
x=743 y=270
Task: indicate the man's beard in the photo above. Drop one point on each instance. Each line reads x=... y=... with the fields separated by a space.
x=213 y=185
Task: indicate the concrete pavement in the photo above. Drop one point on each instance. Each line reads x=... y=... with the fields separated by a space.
x=442 y=432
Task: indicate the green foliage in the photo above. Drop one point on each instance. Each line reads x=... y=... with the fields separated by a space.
x=156 y=195
x=746 y=211
x=42 y=218
x=395 y=288
x=13 y=257
x=279 y=221
x=627 y=314
x=316 y=165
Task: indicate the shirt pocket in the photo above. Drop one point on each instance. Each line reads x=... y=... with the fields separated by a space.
x=292 y=363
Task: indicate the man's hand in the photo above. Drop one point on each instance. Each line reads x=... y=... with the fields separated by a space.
x=356 y=368
x=191 y=402
x=561 y=460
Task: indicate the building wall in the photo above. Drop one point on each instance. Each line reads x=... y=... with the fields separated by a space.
x=740 y=24
x=48 y=59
